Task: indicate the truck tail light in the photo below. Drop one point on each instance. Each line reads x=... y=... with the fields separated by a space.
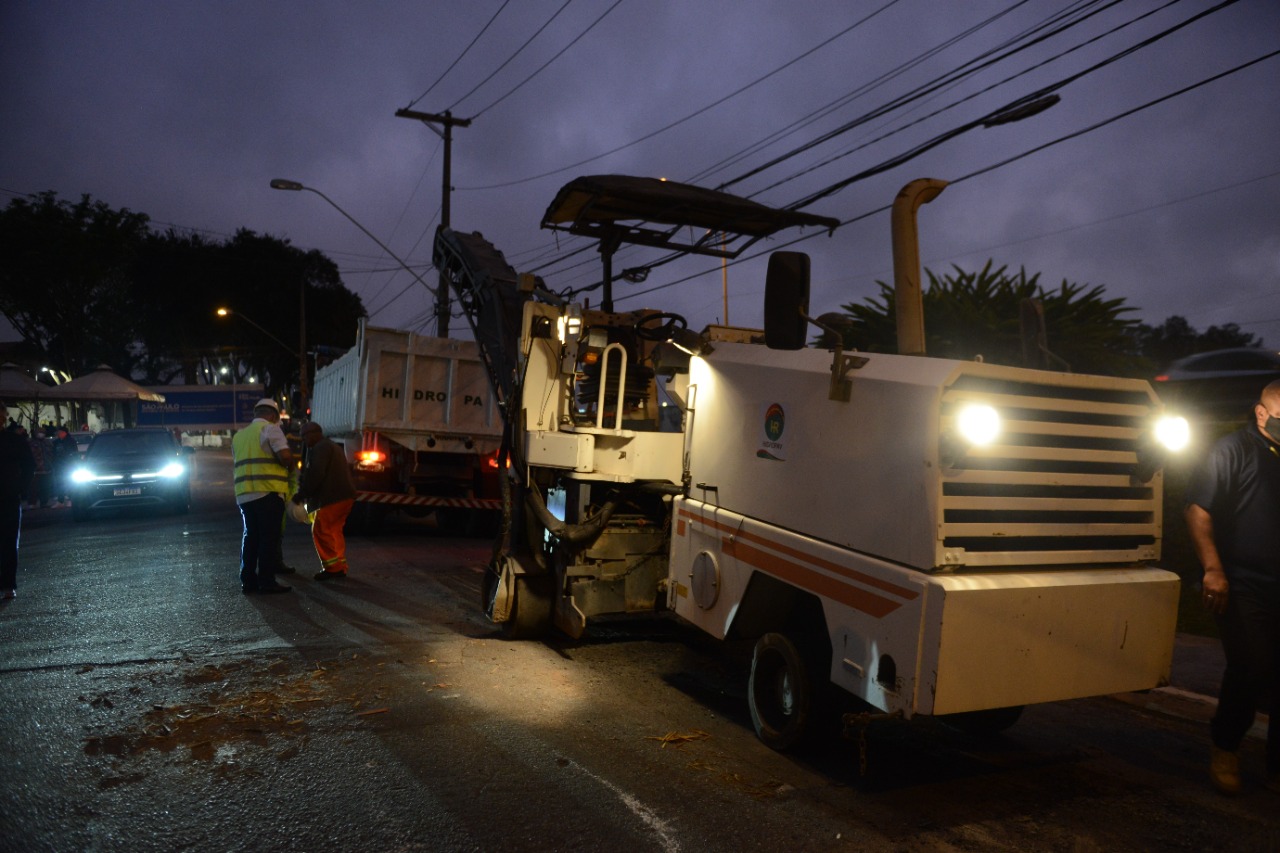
x=370 y=456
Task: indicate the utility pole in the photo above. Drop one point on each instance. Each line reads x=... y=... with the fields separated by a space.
x=447 y=122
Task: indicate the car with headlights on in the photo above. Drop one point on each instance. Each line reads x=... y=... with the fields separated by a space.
x=124 y=468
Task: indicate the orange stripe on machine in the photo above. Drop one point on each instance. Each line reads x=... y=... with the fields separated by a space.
x=806 y=578
x=852 y=574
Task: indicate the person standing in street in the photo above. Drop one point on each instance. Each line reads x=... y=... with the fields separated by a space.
x=65 y=455
x=262 y=464
x=17 y=468
x=1233 y=517
x=326 y=489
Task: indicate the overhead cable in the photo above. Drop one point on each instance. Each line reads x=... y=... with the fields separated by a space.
x=544 y=65
x=686 y=118
x=507 y=61
x=982 y=171
x=459 y=59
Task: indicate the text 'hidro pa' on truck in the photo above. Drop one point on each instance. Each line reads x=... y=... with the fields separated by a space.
x=931 y=536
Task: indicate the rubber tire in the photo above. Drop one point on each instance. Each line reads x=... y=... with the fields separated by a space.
x=780 y=693
x=984 y=723
x=79 y=513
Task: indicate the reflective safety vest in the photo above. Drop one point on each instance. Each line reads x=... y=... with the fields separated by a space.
x=256 y=469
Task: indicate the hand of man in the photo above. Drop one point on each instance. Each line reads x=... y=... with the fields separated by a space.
x=1215 y=590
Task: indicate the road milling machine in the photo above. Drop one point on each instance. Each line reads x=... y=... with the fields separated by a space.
x=931 y=536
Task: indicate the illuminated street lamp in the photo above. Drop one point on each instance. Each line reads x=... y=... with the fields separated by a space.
x=299 y=354
x=286 y=184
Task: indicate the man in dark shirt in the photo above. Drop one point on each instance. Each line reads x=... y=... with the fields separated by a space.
x=1233 y=516
x=327 y=491
x=17 y=467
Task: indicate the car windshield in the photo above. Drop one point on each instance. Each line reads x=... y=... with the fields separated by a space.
x=124 y=443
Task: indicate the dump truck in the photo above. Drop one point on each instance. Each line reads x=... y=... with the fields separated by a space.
x=416 y=419
x=929 y=536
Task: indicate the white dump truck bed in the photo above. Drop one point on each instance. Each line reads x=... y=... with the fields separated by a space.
x=414 y=389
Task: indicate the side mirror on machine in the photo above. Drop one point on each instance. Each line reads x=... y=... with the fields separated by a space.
x=786 y=300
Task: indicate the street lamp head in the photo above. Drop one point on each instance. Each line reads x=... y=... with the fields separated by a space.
x=223 y=312
x=285 y=184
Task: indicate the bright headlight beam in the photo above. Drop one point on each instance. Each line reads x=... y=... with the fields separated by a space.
x=82 y=475
x=978 y=424
x=173 y=469
x=1173 y=433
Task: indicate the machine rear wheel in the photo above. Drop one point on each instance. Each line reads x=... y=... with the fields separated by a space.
x=780 y=693
x=531 y=617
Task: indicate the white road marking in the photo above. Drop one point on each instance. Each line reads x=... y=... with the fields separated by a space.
x=663 y=829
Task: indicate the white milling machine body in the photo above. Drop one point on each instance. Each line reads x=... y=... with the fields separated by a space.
x=826 y=504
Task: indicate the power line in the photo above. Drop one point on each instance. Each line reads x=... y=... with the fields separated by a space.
x=984 y=170
x=691 y=115
x=970 y=97
x=1044 y=29
x=544 y=65
x=512 y=56
x=464 y=53
x=1043 y=92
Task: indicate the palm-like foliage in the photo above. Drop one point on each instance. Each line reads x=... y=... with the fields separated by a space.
x=970 y=314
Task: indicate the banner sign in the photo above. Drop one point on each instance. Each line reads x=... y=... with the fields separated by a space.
x=201 y=407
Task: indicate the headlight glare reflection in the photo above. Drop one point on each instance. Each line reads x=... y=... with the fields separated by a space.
x=978 y=424
x=1173 y=433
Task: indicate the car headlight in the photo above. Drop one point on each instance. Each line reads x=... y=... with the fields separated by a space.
x=1173 y=433
x=173 y=469
x=82 y=475
x=978 y=424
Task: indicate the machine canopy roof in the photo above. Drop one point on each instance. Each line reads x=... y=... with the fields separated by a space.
x=598 y=205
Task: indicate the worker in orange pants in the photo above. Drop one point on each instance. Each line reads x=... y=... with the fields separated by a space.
x=326 y=490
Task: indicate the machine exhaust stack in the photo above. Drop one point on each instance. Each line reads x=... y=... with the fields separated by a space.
x=908 y=302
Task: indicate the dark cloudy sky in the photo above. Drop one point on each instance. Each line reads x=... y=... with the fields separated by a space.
x=186 y=110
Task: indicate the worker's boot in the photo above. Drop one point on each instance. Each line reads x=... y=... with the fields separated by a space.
x=1224 y=770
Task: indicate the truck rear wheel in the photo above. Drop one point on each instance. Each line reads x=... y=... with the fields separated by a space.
x=780 y=693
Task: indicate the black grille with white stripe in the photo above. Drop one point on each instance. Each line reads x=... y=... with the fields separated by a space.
x=1058 y=486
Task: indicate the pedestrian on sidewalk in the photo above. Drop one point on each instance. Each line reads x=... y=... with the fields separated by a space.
x=17 y=467
x=326 y=490
x=262 y=463
x=1233 y=517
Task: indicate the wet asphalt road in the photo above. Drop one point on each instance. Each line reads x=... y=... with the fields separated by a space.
x=148 y=705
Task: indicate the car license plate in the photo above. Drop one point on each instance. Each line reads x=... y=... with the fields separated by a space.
x=128 y=491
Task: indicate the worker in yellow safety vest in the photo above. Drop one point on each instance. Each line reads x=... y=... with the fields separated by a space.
x=262 y=465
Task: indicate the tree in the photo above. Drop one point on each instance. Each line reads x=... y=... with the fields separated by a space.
x=970 y=314
x=1175 y=338
x=65 y=281
x=88 y=285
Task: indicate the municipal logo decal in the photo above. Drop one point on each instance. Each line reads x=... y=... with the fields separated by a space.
x=775 y=421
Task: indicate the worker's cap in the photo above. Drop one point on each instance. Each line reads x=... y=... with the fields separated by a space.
x=268 y=402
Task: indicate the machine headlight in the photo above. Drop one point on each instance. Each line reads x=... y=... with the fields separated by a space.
x=1173 y=433
x=82 y=475
x=978 y=424
x=173 y=469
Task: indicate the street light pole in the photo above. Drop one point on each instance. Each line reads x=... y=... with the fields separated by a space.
x=300 y=354
x=227 y=312
x=286 y=184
